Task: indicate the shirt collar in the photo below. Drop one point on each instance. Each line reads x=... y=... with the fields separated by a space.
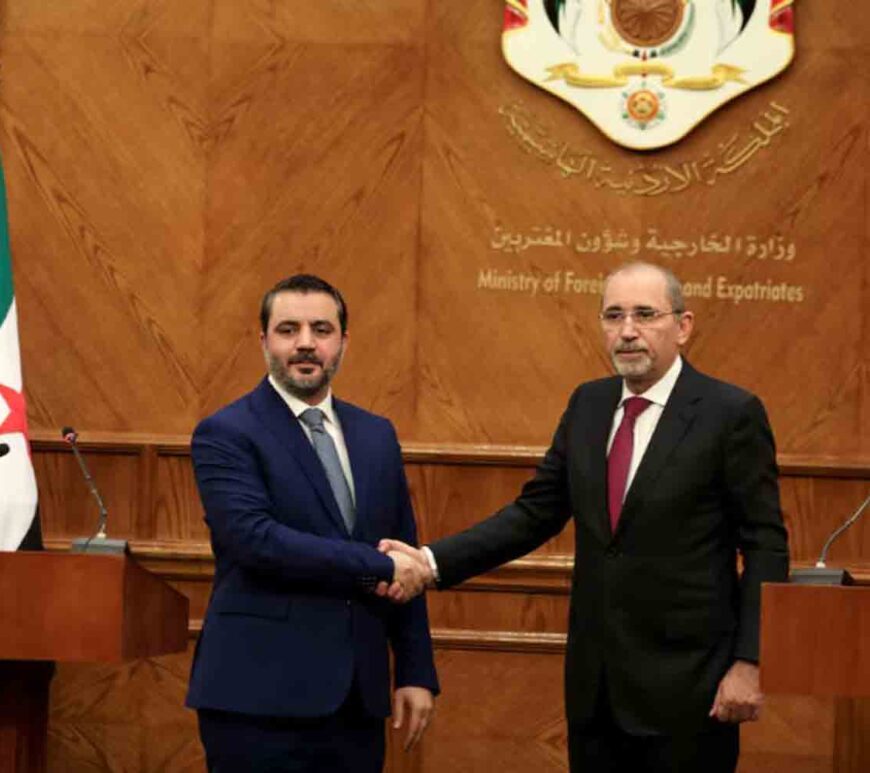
x=297 y=406
x=659 y=392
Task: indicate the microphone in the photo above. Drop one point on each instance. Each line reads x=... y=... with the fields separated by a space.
x=4 y=449
x=821 y=574
x=99 y=542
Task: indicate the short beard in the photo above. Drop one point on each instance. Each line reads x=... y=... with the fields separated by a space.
x=301 y=389
x=630 y=370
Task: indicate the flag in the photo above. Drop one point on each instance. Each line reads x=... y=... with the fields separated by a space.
x=19 y=525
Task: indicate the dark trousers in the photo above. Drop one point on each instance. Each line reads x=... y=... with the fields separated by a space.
x=348 y=741
x=601 y=746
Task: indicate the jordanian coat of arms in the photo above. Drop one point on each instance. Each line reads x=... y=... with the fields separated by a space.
x=646 y=72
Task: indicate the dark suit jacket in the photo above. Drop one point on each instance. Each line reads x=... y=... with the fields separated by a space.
x=658 y=606
x=292 y=620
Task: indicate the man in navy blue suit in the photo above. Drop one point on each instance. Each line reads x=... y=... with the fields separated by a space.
x=291 y=672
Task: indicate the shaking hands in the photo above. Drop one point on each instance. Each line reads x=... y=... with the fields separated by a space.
x=412 y=573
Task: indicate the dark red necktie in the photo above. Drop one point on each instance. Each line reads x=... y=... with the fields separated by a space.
x=619 y=460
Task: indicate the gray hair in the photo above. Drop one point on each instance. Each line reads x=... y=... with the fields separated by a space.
x=673 y=287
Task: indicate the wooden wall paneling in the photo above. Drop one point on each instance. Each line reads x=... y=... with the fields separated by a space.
x=148 y=485
x=210 y=147
x=814 y=507
x=330 y=23
x=499 y=711
x=796 y=734
x=397 y=760
x=105 y=201
x=146 y=505
x=502 y=611
x=216 y=140
x=852 y=717
x=102 y=717
x=316 y=168
x=450 y=497
x=92 y=17
x=66 y=506
x=496 y=367
x=500 y=636
x=123 y=718
x=167 y=162
x=178 y=514
x=807 y=190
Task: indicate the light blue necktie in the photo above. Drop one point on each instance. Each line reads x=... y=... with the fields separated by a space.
x=325 y=448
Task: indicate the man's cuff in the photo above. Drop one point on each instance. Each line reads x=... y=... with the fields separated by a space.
x=382 y=571
x=433 y=564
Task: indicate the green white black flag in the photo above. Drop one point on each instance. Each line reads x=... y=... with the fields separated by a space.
x=17 y=481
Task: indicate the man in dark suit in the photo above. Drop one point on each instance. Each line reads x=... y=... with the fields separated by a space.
x=668 y=475
x=291 y=672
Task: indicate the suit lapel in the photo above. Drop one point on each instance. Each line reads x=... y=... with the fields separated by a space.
x=675 y=421
x=276 y=416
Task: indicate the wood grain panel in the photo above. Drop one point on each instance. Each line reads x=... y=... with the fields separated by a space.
x=353 y=137
x=512 y=386
x=499 y=612
x=850 y=723
x=124 y=124
x=518 y=612
x=123 y=718
x=819 y=161
x=448 y=498
x=178 y=513
x=148 y=485
x=95 y=17
x=794 y=734
x=330 y=22
x=814 y=507
x=210 y=147
x=515 y=615
x=504 y=707
x=478 y=728
x=167 y=162
x=66 y=505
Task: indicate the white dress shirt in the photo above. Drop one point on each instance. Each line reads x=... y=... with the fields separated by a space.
x=330 y=423
x=645 y=424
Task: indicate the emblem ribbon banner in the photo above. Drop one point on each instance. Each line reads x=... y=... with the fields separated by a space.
x=646 y=72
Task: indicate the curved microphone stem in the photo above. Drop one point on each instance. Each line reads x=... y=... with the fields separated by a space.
x=104 y=515
x=99 y=543
x=822 y=558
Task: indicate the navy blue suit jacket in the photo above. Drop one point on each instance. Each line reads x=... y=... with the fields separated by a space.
x=292 y=619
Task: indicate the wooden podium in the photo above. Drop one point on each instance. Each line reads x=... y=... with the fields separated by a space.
x=815 y=640
x=72 y=607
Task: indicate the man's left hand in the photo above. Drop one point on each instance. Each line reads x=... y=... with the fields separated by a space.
x=413 y=706
x=739 y=697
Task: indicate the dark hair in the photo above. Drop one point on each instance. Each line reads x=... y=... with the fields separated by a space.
x=302 y=283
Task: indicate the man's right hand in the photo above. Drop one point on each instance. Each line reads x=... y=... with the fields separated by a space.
x=411 y=574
